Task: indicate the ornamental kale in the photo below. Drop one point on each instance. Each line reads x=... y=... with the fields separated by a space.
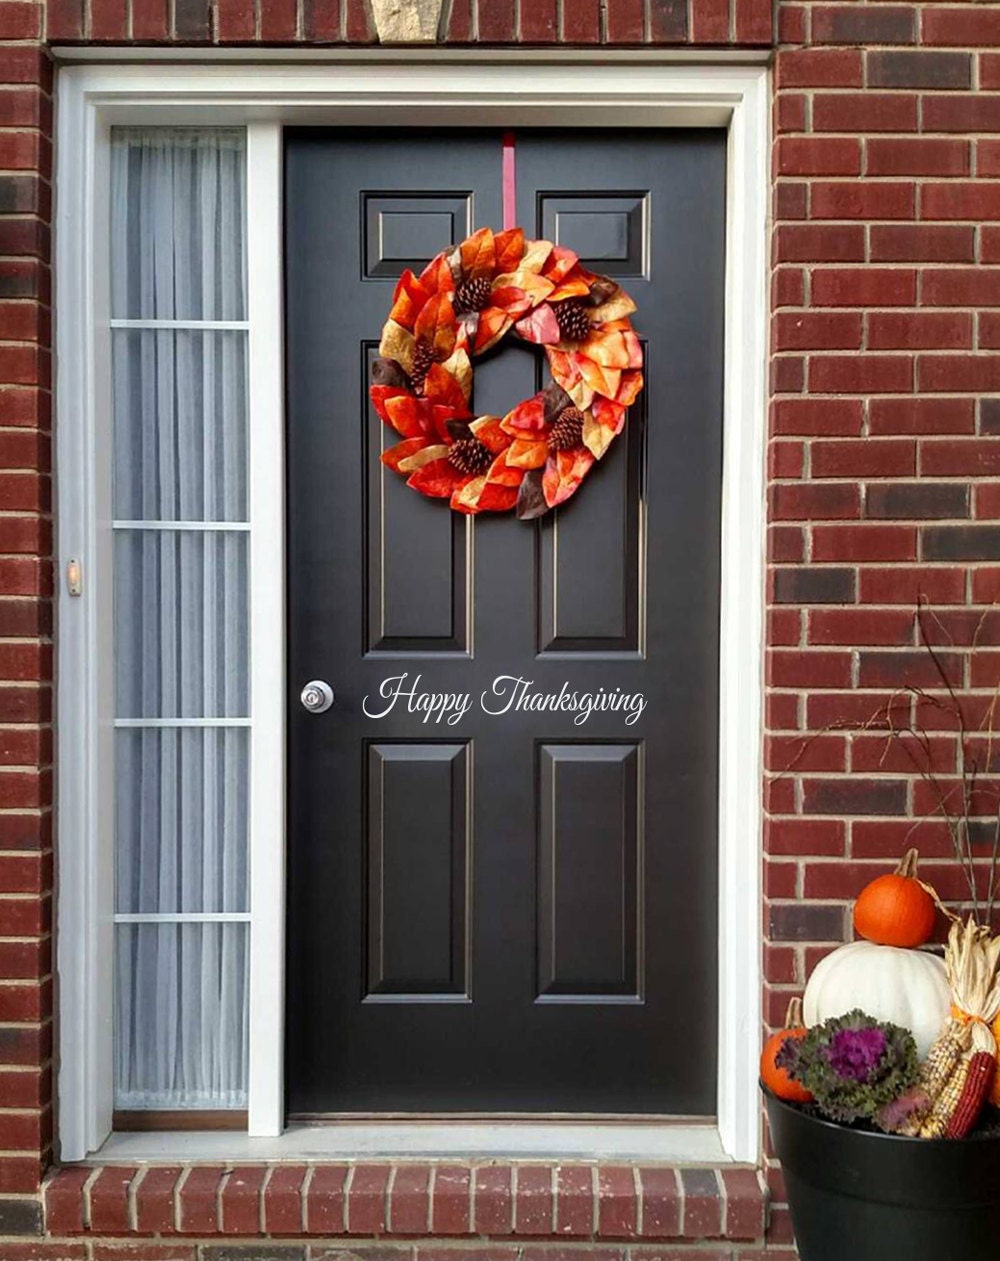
x=852 y=1065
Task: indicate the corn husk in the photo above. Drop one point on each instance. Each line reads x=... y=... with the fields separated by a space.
x=972 y=965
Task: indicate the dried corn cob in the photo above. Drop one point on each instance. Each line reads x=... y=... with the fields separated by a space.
x=946 y=1103
x=978 y=1079
x=944 y=1057
x=936 y=1071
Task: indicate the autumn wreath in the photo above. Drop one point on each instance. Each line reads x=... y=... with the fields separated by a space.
x=464 y=301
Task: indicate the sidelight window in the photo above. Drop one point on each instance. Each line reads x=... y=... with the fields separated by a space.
x=181 y=636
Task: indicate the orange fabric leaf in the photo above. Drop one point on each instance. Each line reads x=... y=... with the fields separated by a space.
x=559 y=264
x=564 y=473
x=493 y=323
x=566 y=373
x=511 y=300
x=488 y=430
x=609 y=414
x=526 y=453
x=408 y=298
x=572 y=287
x=441 y=387
x=406 y=416
x=535 y=288
x=479 y=255
x=607 y=349
x=436 y=325
x=631 y=385
x=436 y=276
x=402 y=451
x=458 y=366
x=604 y=381
x=509 y=247
x=503 y=474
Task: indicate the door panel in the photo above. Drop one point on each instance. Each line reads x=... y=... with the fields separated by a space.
x=418 y=864
x=517 y=912
x=589 y=860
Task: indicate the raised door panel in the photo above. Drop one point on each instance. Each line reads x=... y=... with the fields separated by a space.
x=403 y=230
x=419 y=837
x=589 y=865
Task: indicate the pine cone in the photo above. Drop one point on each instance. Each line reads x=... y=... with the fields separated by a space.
x=470 y=456
x=572 y=320
x=423 y=357
x=567 y=432
x=472 y=295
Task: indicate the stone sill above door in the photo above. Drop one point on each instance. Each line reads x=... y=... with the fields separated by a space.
x=409 y=1201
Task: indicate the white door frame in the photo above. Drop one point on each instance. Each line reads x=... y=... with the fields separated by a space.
x=492 y=89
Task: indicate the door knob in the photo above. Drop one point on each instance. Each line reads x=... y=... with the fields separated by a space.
x=317 y=696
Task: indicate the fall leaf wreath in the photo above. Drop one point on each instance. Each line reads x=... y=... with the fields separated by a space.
x=460 y=306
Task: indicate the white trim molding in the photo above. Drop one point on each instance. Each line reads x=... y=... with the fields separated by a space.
x=499 y=90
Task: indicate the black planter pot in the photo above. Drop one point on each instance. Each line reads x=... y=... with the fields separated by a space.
x=856 y=1196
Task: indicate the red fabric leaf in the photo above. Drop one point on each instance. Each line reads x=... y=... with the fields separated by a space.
x=380 y=394
x=527 y=417
x=496 y=498
x=438 y=479
x=539 y=326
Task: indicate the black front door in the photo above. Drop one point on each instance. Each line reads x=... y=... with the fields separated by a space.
x=517 y=912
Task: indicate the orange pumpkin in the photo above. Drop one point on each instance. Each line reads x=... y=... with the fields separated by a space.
x=897 y=909
x=774 y=1077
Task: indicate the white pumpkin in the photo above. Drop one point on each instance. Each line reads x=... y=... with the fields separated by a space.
x=907 y=987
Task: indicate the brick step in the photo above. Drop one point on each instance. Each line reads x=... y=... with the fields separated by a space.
x=410 y=1200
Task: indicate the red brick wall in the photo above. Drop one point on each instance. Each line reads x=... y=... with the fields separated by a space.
x=884 y=421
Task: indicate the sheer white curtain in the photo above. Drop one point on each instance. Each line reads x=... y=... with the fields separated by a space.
x=181 y=616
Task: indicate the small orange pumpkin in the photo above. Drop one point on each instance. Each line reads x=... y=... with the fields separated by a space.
x=897 y=909
x=774 y=1077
